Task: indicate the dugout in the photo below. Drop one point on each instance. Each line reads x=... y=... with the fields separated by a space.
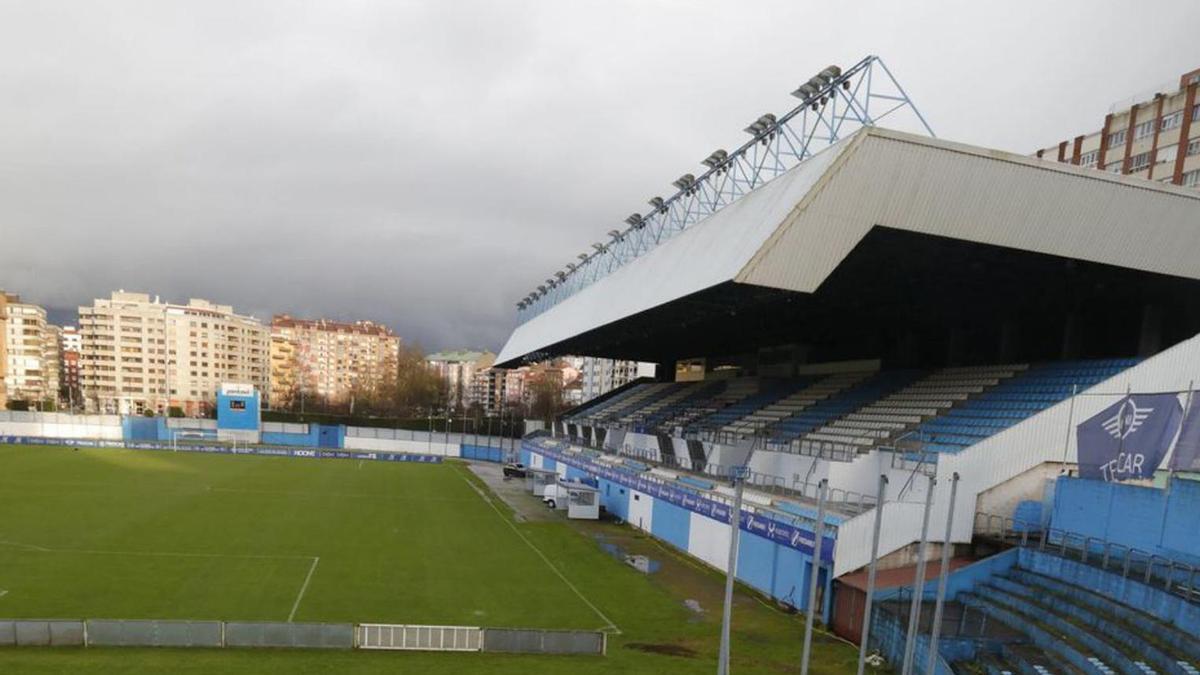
x=538 y=479
x=583 y=501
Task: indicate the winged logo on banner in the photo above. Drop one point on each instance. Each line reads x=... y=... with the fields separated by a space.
x=1129 y=418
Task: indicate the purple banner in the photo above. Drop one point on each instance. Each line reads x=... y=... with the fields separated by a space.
x=1187 y=448
x=1129 y=438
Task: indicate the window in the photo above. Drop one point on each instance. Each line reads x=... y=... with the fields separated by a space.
x=1192 y=178
x=1193 y=148
x=1196 y=113
x=1171 y=121
x=1089 y=158
x=1167 y=154
x=1143 y=130
x=1139 y=161
x=1116 y=138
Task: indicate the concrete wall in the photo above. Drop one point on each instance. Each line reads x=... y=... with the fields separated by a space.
x=60 y=425
x=1154 y=520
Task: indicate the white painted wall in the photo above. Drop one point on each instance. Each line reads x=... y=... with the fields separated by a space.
x=708 y=540
x=641 y=510
x=412 y=447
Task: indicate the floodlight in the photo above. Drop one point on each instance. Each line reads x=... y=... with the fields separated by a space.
x=542 y=289
x=755 y=129
x=615 y=234
x=806 y=90
x=521 y=305
x=767 y=119
x=830 y=73
x=684 y=182
x=634 y=219
x=600 y=248
x=716 y=159
x=562 y=276
x=583 y=256
x=571 y=267
x=657 y=202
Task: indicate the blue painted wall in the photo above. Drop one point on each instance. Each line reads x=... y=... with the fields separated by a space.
x=140 y=428
x=309 y=440
x=671 y=524
x=237 y=412
x=615 y=499
x=483 y=453
x=1151 y=519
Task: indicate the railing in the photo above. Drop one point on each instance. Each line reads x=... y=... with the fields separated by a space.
x=764 y=482
x=1152 y=569
x=713 y=495
x=419 y=638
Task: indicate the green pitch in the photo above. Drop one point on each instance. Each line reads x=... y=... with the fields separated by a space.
x=137 y=534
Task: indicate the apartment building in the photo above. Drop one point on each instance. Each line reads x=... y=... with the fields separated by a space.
x=52 y=362
x=330 y=360
x=140 y=354
x=284 y=391
x=70 y=345
x=4 y=349
x=600 y=376
x=458 y=368
x=30 y=370
x=1157 y=138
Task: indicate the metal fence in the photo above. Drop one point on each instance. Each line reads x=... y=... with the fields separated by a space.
x=424 y=638
x=277 y=634
x=543 y=641
x=118 y=633
x=152 y=633
x=41 y=633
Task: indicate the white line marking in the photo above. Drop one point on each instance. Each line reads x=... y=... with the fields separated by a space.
x=360 y=463
x=3 y=593
x=610 y=627
x=157 y=554
x=300 y=595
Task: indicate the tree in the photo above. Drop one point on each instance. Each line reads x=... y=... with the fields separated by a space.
x=547 y=395
x=416 y=387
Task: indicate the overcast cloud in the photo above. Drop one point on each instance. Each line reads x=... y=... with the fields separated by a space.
x=426 y=164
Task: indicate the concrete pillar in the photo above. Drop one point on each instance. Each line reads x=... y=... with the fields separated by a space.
x=1070 y=336
x=1150 y=334
x=1008 y=348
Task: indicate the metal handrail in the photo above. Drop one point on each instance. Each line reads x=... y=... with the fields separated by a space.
x=1112 y=556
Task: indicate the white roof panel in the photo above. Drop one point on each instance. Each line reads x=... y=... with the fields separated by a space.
x=794 y=231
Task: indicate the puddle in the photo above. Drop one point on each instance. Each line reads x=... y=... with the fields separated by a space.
x=641 y=563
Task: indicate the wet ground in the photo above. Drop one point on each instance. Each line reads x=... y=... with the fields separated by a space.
x=514 y=493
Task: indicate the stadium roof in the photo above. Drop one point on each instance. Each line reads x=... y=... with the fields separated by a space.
x=889 y=195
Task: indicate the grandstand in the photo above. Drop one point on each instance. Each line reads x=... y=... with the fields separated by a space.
x=929 y=312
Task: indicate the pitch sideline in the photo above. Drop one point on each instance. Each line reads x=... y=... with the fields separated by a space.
x=609 y=627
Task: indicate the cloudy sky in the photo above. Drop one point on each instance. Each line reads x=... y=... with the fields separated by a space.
x=425 y=164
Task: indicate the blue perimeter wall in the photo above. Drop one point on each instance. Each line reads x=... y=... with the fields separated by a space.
x=770 y=568
x=1155 y=520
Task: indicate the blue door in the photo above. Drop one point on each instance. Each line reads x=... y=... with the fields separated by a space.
x=328 y=437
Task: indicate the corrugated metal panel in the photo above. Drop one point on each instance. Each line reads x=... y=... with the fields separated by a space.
x=952 y=190
x=704 y=255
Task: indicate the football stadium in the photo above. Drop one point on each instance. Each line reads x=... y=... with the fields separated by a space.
x=926 y=407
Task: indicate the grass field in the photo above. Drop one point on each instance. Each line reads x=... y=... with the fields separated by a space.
x=136 y=534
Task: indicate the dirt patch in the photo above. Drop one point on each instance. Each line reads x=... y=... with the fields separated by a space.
x=669 y=650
